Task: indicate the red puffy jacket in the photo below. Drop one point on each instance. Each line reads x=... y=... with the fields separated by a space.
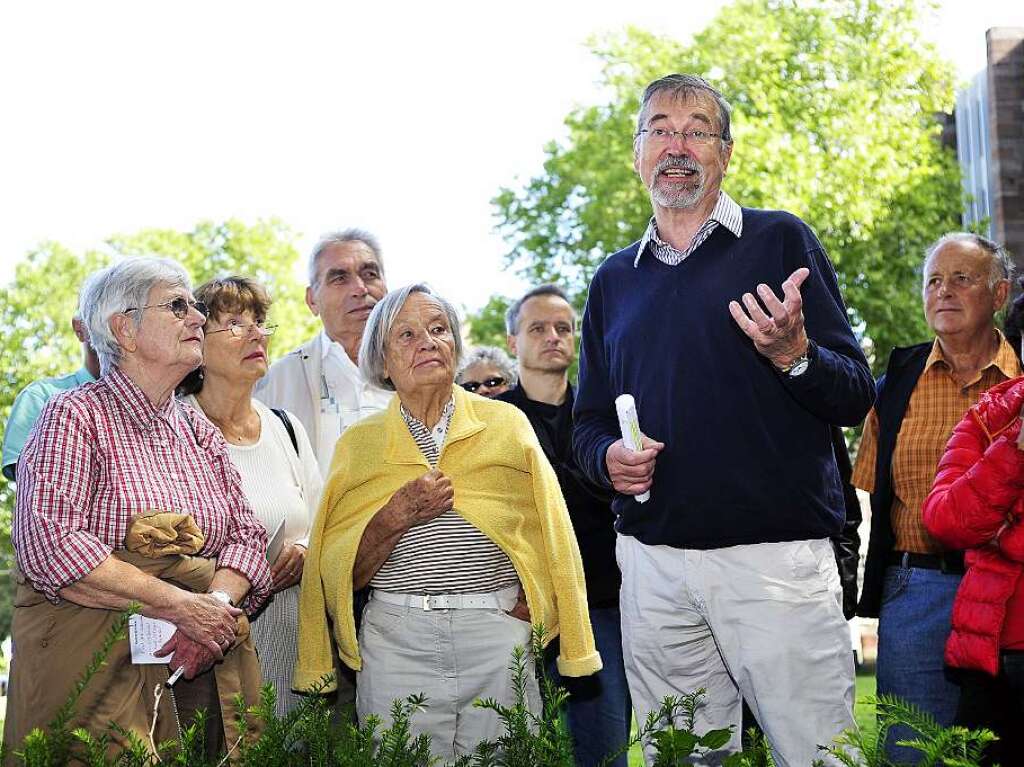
x=977 y=503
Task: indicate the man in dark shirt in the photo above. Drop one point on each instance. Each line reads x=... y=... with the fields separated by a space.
x=541 y=333
x=726 y=325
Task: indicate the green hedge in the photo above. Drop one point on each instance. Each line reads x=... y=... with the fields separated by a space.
x=313 y=736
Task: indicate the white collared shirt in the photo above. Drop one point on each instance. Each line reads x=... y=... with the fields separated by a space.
x=345 y=398
x=726 y=212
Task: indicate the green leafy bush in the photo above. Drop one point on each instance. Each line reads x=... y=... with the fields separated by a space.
x=312 y=735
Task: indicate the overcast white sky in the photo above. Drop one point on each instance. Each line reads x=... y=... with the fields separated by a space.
x=404 y=118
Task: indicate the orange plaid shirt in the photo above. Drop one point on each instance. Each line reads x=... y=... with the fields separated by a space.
x=936 y=406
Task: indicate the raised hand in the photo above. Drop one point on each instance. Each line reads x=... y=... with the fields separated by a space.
x=778 y=335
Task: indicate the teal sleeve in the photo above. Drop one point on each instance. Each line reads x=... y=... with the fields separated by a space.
x=24 y=413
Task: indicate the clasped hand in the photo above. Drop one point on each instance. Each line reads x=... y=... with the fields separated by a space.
x=206 y=630
x=424 y=498
x=632 y=472
x=778 y=335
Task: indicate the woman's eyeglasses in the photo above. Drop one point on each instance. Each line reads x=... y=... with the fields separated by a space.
x=178 y=306
x=239 y=330
x=490 y=383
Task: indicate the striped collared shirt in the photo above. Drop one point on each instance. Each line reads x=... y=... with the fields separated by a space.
x=726 y=212
x=446 y=555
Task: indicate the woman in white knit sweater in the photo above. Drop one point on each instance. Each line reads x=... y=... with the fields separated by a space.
x=270 y=450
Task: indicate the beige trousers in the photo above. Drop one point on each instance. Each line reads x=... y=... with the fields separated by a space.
x=453 y=657
x=762 y=622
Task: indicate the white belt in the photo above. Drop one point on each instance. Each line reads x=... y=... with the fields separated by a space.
x=501 y=600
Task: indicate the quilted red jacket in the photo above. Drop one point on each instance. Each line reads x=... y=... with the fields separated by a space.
x=977 y=503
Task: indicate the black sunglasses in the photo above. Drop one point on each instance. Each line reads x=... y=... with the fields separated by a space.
x=490 y=383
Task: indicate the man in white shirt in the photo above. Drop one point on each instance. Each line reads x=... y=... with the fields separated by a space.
x=320 y=381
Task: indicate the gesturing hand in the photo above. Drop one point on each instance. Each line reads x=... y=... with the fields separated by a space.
x=632 y=473
x=778 y=335
x=424 y=498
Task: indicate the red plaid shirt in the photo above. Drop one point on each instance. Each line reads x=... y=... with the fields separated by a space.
x=100 y=454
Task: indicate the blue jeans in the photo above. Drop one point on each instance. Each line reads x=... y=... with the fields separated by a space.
x=599 y=708
x=913 y=626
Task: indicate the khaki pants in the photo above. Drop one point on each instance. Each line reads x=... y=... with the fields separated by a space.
x=451 y=656
x=54 y=643
x=762 y=622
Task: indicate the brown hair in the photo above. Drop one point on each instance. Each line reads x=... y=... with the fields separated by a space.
x=227 y=295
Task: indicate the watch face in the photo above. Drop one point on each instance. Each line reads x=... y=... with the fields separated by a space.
x=799 y=368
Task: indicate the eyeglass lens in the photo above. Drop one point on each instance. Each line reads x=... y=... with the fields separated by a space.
x=240 y=331
x=180 y=306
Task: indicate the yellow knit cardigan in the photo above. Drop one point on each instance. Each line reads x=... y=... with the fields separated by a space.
x=504 y=486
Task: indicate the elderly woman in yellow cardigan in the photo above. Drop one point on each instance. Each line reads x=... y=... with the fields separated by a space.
x=445 y=505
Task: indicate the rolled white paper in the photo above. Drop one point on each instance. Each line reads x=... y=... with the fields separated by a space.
x=629 y=425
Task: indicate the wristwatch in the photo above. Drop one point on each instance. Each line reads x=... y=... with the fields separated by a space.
x=222 y=596
x=798 y=366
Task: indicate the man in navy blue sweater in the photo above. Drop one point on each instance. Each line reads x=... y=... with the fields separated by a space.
x=729 y=582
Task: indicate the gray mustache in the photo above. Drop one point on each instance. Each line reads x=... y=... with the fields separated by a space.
x=680 y=163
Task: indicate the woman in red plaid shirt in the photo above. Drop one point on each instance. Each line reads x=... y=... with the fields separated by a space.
x=111 y=470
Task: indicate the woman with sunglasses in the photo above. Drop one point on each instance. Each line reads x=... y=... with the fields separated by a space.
x=272 y=453
x=125 y=496
x=487 y=371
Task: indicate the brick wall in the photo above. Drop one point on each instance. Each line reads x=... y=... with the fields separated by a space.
x=1006 y=133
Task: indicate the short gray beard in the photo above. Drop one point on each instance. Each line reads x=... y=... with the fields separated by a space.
x=680 y=198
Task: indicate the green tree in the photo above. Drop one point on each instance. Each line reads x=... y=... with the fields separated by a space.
x=487 y=326
x=834 y=120
x=264 y=250
x=36 y=339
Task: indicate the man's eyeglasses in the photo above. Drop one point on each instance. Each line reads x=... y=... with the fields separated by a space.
x=240 y=330
x=490 y=383
x=179 y=307
x=664 y=136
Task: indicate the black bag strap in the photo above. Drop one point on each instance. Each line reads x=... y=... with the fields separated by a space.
x=287 y=425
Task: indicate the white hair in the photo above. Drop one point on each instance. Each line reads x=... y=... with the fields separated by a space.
x=337 y=238
x=1000 y=265
x=115 y=289
x=373 y=349
x=489 y=355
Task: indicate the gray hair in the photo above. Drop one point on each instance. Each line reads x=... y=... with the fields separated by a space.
x=120 y=287
x=337 y=238
x=373 y=349
x=1001 y=266
x=682 y=86
x=489 y=355
x=512 y=315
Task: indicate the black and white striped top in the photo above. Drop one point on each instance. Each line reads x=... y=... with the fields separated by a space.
x=726 y=212
x=446 y=555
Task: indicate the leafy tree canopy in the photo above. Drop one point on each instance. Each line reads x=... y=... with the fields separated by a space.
x=834 y=119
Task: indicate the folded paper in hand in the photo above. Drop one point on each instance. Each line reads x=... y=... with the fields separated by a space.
x=147 y=635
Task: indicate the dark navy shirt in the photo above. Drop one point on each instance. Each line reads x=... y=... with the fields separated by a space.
x=748 y=456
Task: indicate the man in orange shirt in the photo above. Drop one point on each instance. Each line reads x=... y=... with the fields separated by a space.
x=909 y=580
